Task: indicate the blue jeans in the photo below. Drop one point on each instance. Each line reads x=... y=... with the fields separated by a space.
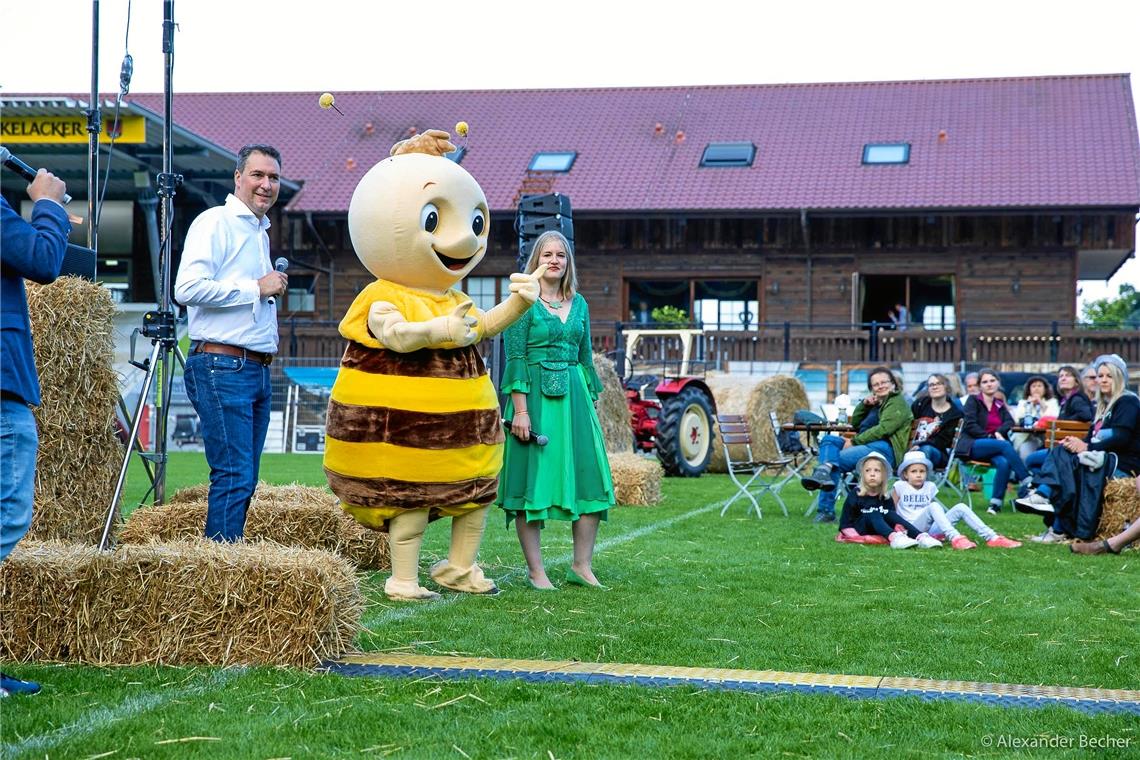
x=1002 y=456
x=231 y=396
x=1034 y=461
x=934 y=454
x=843 y=460
x=18 y=443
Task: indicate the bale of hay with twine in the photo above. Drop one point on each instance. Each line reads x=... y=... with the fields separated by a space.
x=637 y=479
x=290 y=515
x=1121 y=506
x=613 y=411
x=179 y=604
x=80 y=454
x=781 y=394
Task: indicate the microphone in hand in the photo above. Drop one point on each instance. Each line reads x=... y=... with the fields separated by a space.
x=280 y=265
x=535 y=438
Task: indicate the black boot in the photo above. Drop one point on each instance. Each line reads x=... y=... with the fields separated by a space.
x=820 y=479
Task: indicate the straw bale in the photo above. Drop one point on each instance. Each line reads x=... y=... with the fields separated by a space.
x=290 y=515
x=782 y=394
x=637 y=479
x=179 y=603
x=613 y=409
x=1121 y=506
x=79 y=455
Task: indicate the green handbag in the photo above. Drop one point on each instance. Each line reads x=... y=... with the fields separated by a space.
x=555 y=379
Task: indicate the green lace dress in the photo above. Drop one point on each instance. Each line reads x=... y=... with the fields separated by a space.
x=553 y=365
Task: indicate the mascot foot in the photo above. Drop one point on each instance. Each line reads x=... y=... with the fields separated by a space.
x=407 y=591
x=469 y=580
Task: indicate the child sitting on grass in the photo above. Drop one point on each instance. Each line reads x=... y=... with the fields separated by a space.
x=916 y=500
x=869 y=511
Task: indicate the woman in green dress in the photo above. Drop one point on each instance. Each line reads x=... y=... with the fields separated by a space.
x=552 y=386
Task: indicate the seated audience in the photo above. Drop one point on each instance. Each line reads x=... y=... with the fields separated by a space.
x=985 y=437
x=1074 y=406
x=938 y=415
x=882 y=420
x=1036 y=402
x=1071 y=482
x=870 y=512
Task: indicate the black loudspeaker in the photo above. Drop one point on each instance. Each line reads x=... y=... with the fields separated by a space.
x=551 y=204
x=79 y=262
x=532 y=227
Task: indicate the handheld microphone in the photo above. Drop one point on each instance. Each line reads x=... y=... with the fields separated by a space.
x=23 y=169
x=280 y=265
x=535 y=438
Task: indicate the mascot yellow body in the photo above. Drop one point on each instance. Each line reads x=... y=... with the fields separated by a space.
x=413 y=430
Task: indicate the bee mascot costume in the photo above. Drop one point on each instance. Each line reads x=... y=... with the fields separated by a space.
x=414 y=430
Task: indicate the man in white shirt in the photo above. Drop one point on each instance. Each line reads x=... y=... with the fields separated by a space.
x=228 y=284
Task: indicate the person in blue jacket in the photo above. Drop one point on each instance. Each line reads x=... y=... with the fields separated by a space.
x=34 y=251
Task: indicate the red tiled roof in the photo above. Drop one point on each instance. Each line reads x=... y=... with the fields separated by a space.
x=1066 y=141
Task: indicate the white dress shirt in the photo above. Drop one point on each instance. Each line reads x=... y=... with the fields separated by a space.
x=226 y=252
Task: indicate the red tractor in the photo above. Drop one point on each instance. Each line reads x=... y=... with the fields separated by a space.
x=671 y=415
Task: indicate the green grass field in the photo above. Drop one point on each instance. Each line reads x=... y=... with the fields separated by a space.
x=689 y=588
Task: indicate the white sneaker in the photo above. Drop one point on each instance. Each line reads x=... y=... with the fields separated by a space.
x=1034 y=504
x=900 y=540
x=926 y=541
x=1050 y=536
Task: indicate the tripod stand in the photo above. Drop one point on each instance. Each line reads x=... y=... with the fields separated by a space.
x=158 y=325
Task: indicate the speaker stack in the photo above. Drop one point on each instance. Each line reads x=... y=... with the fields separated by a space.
x=537 y=214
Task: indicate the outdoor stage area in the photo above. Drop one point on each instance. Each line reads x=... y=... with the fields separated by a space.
x=726 y=636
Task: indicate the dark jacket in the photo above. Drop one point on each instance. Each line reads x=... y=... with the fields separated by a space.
x=934 y=429
x=31 y=251
x=893 y=425
x=1076 y=407
x=1120 y=432
x=974 y=423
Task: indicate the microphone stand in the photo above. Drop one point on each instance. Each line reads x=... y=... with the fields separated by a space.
x=158 y=325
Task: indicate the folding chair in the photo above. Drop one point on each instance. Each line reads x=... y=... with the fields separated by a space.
x=734 y=431
x=941 y=476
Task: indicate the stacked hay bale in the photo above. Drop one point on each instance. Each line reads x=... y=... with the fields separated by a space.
x=80 y=454
x=180 y=603
x=754 y=399
x=613 y=411
x=1121 y=507
x=637 y=479
x=291 y=515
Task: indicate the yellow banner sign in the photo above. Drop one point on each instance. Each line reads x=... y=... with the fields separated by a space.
x=16 y=130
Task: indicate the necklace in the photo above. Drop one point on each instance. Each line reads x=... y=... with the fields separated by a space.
x=556 y=305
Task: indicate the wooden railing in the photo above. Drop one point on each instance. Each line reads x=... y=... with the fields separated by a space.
x=994 y=343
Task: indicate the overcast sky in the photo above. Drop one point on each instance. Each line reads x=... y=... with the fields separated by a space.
x=340 y=45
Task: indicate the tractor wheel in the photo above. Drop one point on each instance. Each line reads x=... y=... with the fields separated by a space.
x=685 y=433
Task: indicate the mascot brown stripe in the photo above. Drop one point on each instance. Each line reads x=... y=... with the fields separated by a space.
x=422 y=430
x=451 y=363
x=389 y=492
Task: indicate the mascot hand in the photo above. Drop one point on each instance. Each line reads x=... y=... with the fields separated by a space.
x=526 y=285
x=459 y=325
x=434 y=142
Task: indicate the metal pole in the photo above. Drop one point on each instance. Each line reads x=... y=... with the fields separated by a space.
x=94 y=127
x=787 y=341
x=874 y=347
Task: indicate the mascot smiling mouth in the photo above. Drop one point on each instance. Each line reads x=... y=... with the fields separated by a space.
x=453 y=264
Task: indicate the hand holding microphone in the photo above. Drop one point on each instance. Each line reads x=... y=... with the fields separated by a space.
x=532 y=437
x=43 y=184
x=275 y=283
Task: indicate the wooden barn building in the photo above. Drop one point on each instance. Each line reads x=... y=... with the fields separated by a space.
x=759 y=211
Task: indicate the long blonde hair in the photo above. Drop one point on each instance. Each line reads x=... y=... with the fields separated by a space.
x=1103 y=405
x=863 y=490
x=569 y=284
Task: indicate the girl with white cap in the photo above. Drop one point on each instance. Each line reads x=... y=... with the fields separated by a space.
x=916 y=500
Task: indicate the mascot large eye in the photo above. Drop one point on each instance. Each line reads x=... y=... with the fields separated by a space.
x=429 y=217
x=478 y=223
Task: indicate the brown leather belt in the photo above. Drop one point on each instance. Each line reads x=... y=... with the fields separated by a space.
x=205 y=347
